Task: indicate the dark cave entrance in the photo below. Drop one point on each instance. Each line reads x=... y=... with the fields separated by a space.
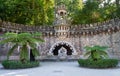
x=58 y=47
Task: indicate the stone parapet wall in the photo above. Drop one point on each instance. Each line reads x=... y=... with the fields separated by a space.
x=109 y=26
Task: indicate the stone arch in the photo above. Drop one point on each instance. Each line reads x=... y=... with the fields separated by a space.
x=64 y=43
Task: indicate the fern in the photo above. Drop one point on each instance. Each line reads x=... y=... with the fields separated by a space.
x=96 y=52
x=23 y=40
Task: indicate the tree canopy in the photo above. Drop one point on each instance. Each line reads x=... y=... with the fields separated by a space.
x=32 y=12
x=42 y=12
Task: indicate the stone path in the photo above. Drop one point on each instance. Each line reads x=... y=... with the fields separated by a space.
x=60 y=69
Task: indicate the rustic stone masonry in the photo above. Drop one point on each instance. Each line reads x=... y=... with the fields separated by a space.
x=73 y=38
x=110 y=26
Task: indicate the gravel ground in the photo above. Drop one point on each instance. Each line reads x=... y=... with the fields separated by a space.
x=60 y=69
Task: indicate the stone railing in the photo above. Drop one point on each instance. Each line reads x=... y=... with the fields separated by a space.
x=109 y=26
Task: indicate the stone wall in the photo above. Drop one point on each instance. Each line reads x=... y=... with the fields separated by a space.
x=110 y=40
x=50 y=42
x=77 y=37
x=116 y=45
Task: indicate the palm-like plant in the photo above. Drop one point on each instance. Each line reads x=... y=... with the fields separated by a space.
x=96 y=52
x=24 y=42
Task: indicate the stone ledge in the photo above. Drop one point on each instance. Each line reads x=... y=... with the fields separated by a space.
x=10 y=58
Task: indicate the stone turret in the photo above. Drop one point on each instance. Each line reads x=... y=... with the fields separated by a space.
x=61 y=15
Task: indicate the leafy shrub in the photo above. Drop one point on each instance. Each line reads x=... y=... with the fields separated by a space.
x=19 y=65
x=102 y=63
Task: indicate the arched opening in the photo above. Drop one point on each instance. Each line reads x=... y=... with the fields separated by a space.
x=58 y=47
x=62 y=49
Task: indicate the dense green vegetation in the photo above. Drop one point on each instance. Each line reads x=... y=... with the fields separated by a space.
x=97 y=11
x=41 y=12
x=102 y=63
x=19 y=65
x=32 y=12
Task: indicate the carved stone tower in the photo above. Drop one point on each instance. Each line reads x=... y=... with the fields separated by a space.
x=60 y=13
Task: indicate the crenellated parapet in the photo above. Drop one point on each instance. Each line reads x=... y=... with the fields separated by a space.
x=14 y=27
x=106 y=27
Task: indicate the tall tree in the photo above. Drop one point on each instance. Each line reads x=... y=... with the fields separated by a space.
x=118 y=8
x=32 y=12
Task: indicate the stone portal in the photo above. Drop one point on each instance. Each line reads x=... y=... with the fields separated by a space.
x=62 y=50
